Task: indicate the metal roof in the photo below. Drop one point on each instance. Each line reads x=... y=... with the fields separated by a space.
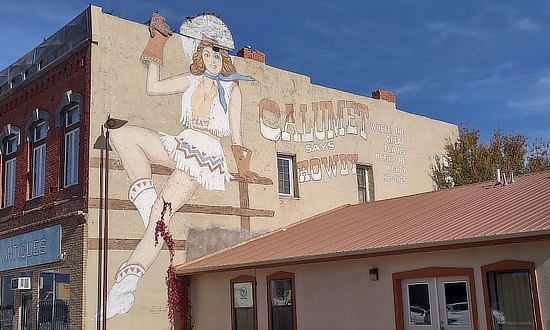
x=473 y=215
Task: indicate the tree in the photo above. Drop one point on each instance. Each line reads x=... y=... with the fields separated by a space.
x=468 y=160
x=539 y=156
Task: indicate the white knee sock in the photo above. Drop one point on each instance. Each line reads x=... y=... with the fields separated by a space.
x=143 y=194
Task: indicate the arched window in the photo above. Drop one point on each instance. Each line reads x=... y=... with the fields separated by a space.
x=68 y=116
x=36 y=130
x=243 y=303
x=9 y=142
x=282 y=301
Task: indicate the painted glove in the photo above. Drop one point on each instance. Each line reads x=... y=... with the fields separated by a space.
x=159 y=32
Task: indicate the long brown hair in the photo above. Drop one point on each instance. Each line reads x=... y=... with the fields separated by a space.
x=197 y=67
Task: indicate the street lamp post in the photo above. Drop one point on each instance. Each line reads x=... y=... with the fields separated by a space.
x=110 y=123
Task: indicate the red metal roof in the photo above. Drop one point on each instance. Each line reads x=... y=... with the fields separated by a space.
x=462 y=216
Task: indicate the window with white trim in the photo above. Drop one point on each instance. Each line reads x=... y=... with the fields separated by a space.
x=365 y=184
x=9 y=166
x=286 y=170
x=71 y=146
x=38 y=163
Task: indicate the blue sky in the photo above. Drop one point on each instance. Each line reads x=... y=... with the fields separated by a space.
x=483 y=63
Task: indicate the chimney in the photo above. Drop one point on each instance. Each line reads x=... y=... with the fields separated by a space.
x=383 y=95
x=248 y=53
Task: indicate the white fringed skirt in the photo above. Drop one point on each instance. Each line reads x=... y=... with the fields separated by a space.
x=199 y=155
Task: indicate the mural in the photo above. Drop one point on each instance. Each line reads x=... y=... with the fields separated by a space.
x=318 y=129
x=210 y=110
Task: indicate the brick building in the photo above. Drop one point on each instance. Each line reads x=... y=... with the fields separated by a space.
x=299 y=149
x=43 y=97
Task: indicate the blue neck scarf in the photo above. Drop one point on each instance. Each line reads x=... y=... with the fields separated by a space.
x=221 y=92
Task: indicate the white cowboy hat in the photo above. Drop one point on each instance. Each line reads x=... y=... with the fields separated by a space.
x=205 y=27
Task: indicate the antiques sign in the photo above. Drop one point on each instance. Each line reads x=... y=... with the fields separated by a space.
x=31 y=249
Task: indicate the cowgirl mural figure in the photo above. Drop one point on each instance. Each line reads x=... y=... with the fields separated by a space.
x=211 y=109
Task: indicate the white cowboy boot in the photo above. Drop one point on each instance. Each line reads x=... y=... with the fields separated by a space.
x=121 y=296
x=143 y=195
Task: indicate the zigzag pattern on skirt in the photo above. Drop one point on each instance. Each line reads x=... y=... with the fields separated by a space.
x=213 y=163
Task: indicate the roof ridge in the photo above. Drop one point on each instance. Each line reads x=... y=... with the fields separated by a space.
x=459 y=187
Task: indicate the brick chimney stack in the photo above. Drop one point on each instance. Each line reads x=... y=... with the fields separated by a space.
x=255 y=55
x=383 y=95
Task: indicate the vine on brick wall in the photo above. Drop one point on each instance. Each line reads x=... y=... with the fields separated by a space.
x=177 y=290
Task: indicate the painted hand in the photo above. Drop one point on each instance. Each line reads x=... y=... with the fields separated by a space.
x=158 y=23
x=160 y=33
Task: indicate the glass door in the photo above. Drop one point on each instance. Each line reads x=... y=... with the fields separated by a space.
x=437 y=303
x=420 y=304
x=53 y=300
x=26 y=311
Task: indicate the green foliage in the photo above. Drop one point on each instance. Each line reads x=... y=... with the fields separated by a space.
x=468 y=160
x=539 y=156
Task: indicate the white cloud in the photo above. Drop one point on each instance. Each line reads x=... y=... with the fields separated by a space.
x=321 y=28
x=333 y=7
x=504 y=66
x=407 y=88
x=447 y=29
x=526 y=24
x=499 y=75
x=544 y=80
x=536 y=98
x=463 y=69
x=450 y=97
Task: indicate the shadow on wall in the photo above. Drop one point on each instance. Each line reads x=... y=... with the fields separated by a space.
x=204 y=241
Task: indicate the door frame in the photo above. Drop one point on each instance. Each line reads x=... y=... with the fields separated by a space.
x=25 y=294
x=430 y=272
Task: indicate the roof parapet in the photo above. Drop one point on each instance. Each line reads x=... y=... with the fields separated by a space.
x=68 y=38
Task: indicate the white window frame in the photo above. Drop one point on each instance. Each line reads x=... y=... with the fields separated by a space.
x=36 y=129
x=38 y=175
x=290 y=166
x=72 y=109
x=10 y=167
x=9 y=141
x=364 y=187
x=38 y=170
x=70 y=164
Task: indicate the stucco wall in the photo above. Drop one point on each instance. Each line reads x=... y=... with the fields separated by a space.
x=119 y=88
x=339 y=295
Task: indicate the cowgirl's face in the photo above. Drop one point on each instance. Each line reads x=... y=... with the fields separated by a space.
x=212 y=60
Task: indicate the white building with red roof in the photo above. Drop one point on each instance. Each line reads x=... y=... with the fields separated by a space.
x=472 y=257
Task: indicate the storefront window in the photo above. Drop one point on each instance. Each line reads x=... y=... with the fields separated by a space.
x=6 y=307
x=53 y=299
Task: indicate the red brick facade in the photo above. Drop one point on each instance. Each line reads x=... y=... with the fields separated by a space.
x=248 y=53
x=383 y=95
x=58 y=206
x=45 y=92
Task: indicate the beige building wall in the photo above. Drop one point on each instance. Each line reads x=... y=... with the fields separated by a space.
x=340 y=295
x=399 y=146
